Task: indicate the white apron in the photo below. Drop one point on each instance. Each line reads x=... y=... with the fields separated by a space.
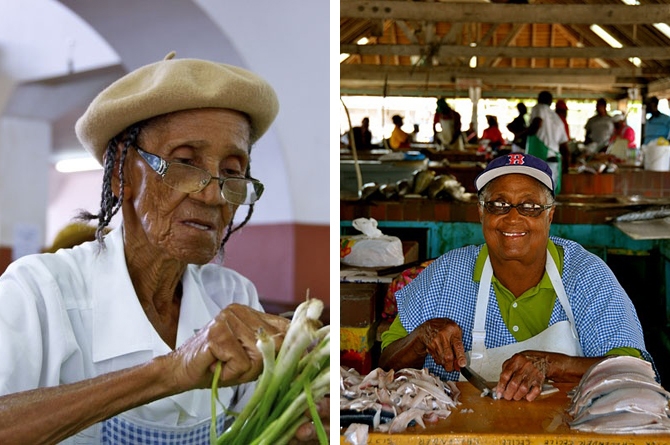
x=447 y=135
x=560 y=337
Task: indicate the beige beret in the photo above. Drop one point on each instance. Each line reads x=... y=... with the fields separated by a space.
x=174 y=85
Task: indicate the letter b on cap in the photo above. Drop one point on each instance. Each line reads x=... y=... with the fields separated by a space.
x=516 y=159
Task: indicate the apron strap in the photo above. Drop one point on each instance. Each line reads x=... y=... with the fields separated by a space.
x=556 y=281
x=479 y=330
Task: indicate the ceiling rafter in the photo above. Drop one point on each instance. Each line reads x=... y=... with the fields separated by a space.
x=513 y=34
x=659 y=53
x=505 y=13
x=518 y=47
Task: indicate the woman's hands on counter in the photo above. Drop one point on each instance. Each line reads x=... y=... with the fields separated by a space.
x=524 y=373
x=439 y=337
x=522 y=376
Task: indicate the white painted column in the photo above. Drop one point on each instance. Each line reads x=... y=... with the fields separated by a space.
x=25 y=147
x=475 y=93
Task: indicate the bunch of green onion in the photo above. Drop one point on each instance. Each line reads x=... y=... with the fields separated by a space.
x=291 y=384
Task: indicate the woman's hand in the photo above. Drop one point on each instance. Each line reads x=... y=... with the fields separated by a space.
x=230 y=338
x=439 y=337
x=524 y=373
x=442 y=339
x=522 y=376
x=306 y=433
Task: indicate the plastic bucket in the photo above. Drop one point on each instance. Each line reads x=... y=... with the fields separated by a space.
x=657 y=158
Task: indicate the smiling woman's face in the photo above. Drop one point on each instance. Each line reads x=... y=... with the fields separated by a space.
x=514 y=237
x=187 y=227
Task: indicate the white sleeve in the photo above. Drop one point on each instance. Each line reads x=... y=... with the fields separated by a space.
x=563 y=136
x=535 y=112
x=35 y=338
x=225 y=286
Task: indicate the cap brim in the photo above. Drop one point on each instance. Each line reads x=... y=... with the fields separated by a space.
x=490 y=175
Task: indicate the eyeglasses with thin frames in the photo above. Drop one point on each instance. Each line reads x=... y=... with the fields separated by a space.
x=524 y=208
x=189 y=179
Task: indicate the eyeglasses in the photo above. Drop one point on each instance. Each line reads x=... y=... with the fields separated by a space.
x=524 y=208
x=189 y=179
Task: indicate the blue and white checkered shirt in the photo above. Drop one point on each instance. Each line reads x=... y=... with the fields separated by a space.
x=605 y=317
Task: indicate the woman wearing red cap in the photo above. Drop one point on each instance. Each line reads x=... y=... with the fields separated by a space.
x=622 y=130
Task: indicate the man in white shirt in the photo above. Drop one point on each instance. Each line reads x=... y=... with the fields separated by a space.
x=547 y=139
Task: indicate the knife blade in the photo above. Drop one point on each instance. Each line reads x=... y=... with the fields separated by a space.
x=479 y=382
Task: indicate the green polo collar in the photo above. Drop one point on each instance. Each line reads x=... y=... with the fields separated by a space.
x=544 y=283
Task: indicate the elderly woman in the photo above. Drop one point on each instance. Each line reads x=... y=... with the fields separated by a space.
x=524 y=307
x=112 y=341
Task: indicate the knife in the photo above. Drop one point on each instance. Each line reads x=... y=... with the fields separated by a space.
x=479 y=382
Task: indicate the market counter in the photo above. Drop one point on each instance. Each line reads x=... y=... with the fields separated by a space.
x=484 y=421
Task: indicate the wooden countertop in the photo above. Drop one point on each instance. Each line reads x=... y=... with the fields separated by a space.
x=541 y=422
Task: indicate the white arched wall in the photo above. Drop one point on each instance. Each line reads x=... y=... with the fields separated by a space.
x=144 y=32
x=289 y=230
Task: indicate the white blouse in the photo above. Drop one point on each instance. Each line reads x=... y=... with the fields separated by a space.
x=74 y=315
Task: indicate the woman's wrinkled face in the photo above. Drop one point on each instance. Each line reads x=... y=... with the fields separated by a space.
x=514 y=237
x=188 y=227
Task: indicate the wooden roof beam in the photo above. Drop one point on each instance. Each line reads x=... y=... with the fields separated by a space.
x=409 y=73
x=607 y=14
x=509 y=38
x=603 y=52
x=526 y=80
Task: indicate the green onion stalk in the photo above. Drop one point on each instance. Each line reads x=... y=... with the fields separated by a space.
x=289 y=386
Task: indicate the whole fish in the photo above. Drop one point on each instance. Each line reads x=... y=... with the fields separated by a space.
x=626 y=422
x=422 y=180
x=634 y=400
x=611 y=383
x=620 y=395
x=660 y=212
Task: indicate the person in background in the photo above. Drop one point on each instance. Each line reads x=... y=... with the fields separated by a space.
x=470 y=135
x=599 y=128
x=399 y=140
x=116 y=340
x=562 y=111
x=520 y=309
x=362 y=135
x=492 y=133
x=450 y=120
x=658 y=124
x=622 y=130
x=547 y=138
x=519 y=127
x=414 y=136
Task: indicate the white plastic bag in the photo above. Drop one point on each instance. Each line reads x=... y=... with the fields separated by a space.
x=372 y=249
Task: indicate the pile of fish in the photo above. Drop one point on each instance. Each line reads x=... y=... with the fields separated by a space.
x=620 y=395
x=405 y=396
x=425 y=183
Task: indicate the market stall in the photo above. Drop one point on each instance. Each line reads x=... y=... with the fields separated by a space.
x=484 y=421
